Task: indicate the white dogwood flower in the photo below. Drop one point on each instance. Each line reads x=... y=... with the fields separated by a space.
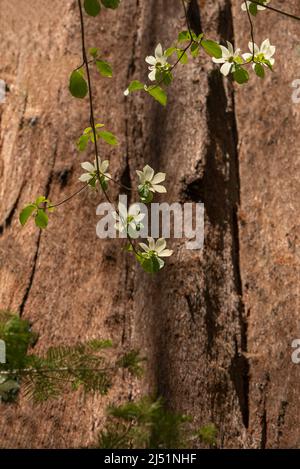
x=156 y=62
x=128 y=221
x=150 y=180
x=157 y=248
x=229 y=58
x=259 y=7
x=92 y=171
x=261 y=54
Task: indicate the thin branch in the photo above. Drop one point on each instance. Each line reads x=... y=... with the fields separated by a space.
x=251 y=29
x=281 y=12
x=70 y=197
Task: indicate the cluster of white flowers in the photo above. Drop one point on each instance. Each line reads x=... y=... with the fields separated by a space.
x=229 y=58
x=249 y=3
x=151 y=180
x=155 y=250
x=90 y=176
x=232 y=59
x=129 y=221
x=158 y=62
x=261 y=54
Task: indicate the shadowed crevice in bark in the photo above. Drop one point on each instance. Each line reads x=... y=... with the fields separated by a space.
x=264 y=428
x=7 y=222
x=32 y=274
x=194 y=17
x=221 y=199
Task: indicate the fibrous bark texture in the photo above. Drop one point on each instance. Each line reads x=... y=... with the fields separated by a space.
x=216 y=325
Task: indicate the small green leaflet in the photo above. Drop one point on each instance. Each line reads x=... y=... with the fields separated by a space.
x=26 y=213
x=150 y=265
x=113 y=4
x=170 y=51
x=157 y=93
x=182 y=56
x=253 y=9
x=241 y=76
x=184 y=36
x=93 y=51
x=82 y=142
x=104 y=68
x=41 y=219
x=135 y=85
x=92 y=7
x=212 y=48
x=40 y=216
x=108 y=137
x=78 y=86
x=259 y=70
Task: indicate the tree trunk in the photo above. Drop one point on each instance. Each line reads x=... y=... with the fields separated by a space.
x=216 y=325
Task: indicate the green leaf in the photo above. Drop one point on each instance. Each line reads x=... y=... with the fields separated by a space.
x=268 y=63
x=212 y=48
x=113 y=4
x=253 y=9
x=40 y=200
x=41 y=219
x=135 y=85
x=151 y=266
x=241 y=75
x=104 y=68
x=78 y=86
x=26 y=213
x=82 y=142
x=182 y=56
x=93 y=51
x=259 y=70
x=92 y=7
x=108 y=137
x=158 y=93
x=170 y=51
x=195 y=50
x=184 y=36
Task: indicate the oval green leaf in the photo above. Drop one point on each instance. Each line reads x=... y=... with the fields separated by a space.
x=26 y=213
x=78 y=86
x=104 y=68
x=92 y=7
x=41 y=219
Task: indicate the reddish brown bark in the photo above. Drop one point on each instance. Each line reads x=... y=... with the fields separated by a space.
x=215 y=325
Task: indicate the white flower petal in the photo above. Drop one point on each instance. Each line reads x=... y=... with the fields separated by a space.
x=158 y=51
x=138 y=218
x=150 y=60
x=151 y=243
x=230 y=48
x=86 y=177
x=104 y=166
x=166 y=253
x=160 y=245
x=159 y=177
x=88 y=166
x=152 y=75
x=225 y=69
x=159 y=189
x=148 y=173
x=218 y=61
x=225 y=52
x=247 y=56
